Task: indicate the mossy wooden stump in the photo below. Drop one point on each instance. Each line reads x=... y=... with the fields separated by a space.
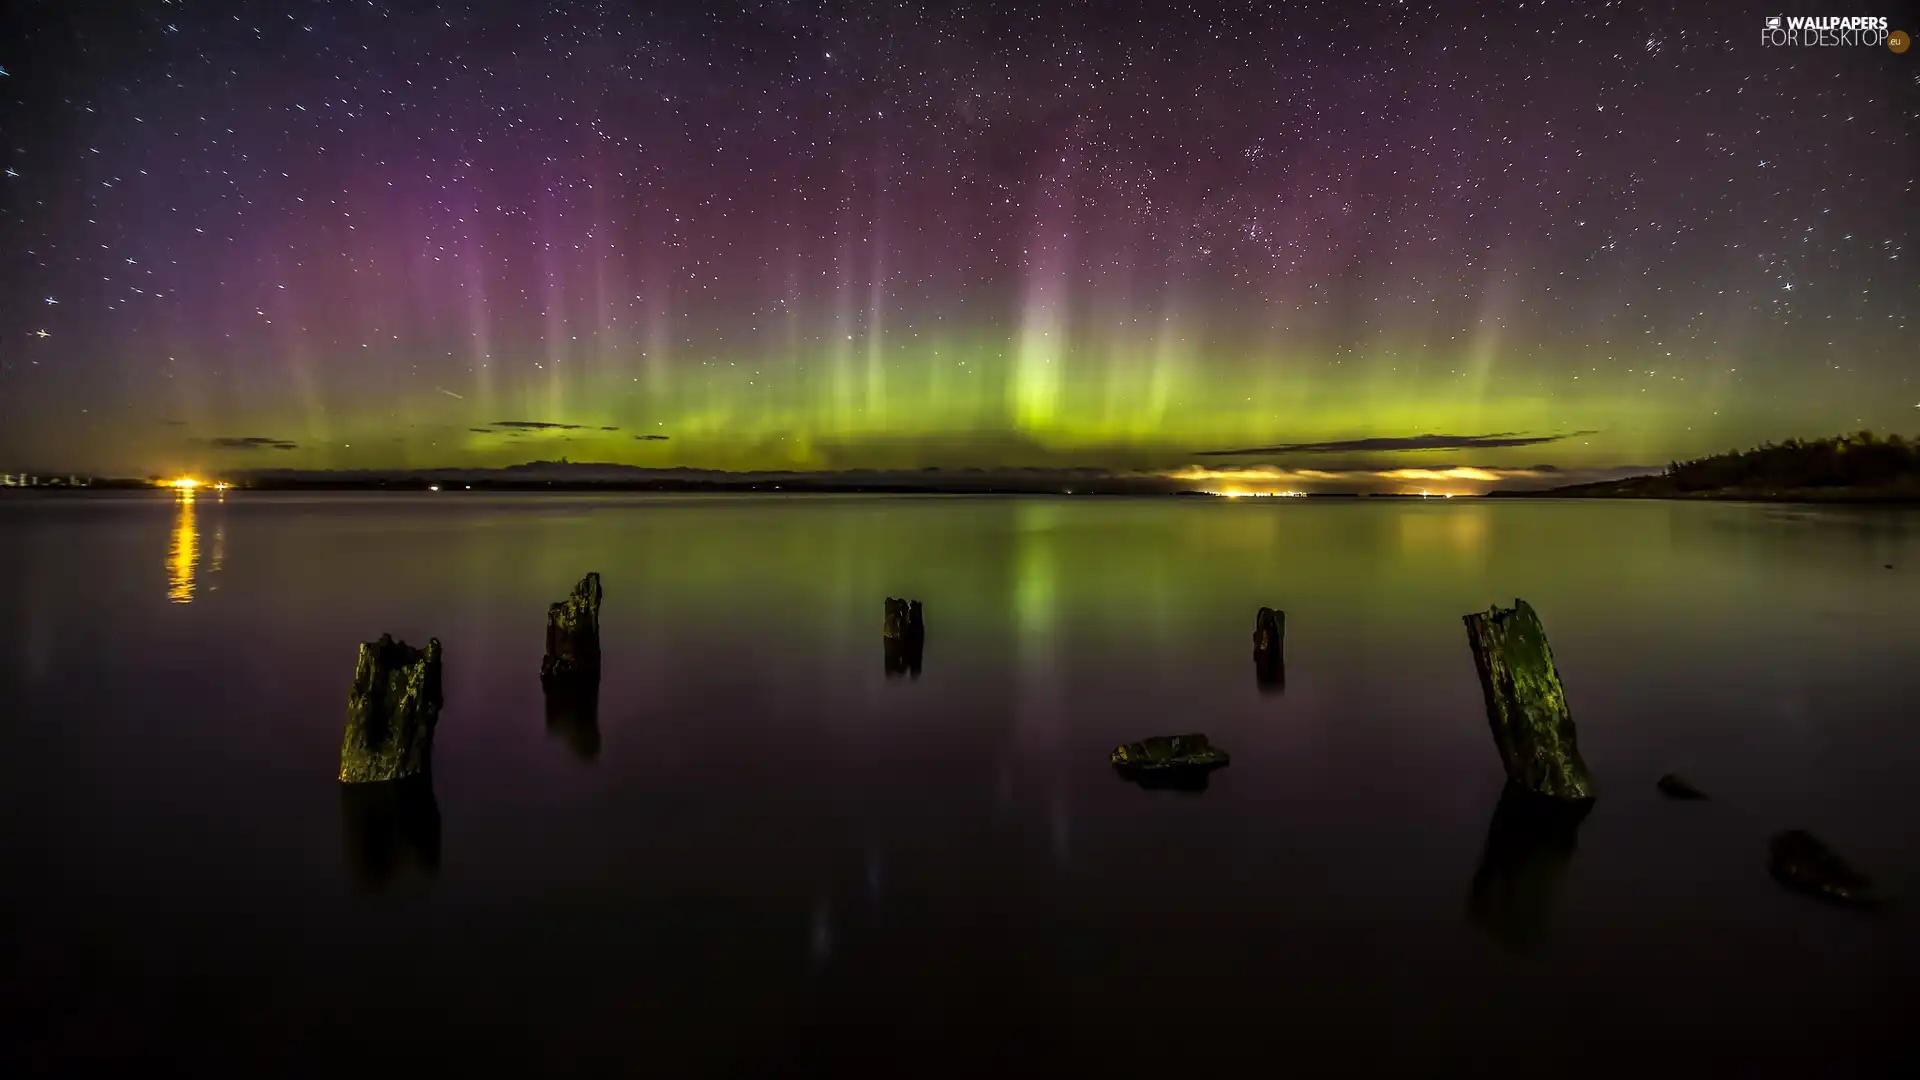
x=391 y=712
x=573 y=638
x=903 y=621
x=1269 y=653
x=903 y=635
x=901 y=656
x=1525 y=703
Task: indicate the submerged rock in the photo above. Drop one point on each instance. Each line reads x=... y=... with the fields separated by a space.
x=573 y=635
x=1526 y=706
x=1181 y=761
x=1801 y=861
x=1269 y=652
x=391 y=712
x=1530 y=843
x=1678 y=787
x=903 y=621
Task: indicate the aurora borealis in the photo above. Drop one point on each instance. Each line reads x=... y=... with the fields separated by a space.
x=1402 y=236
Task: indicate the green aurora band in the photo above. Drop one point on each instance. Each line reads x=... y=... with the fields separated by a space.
x=953 y=401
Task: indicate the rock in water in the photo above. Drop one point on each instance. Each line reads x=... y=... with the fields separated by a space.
x=1678 y=787
x=1169 y=760
x=1269 y=654
x=903 y=621
x=392 y=711
x=1801 y=861
x=573 y=635
x=1525 y=704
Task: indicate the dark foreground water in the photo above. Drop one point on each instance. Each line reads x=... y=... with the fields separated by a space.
x=771 y=857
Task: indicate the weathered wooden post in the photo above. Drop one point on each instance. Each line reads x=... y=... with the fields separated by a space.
x=903 y=635
x=1526 y=706
x=573 y=635
x=1269 y=652
x=903 y=621
x=570 y=669
x=391 y=712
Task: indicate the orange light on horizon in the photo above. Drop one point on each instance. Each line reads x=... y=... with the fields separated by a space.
x=190 y=484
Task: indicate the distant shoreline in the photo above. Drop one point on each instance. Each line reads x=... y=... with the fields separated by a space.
x=597 y=479
x=1592 y=492
x=1656 y=488
x=1108 y=487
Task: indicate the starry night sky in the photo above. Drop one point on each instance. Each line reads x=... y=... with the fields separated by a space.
x=822 y=236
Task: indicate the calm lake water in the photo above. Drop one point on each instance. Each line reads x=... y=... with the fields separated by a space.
x=772 y=857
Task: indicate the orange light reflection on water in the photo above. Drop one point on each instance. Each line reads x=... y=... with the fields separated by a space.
x=183 y=554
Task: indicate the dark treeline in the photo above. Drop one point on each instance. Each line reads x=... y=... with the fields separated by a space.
x=1860 y=460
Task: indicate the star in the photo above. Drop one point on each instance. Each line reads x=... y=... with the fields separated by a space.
x=44 y=334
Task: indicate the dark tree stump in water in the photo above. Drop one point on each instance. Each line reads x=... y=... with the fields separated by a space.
x=903 y=633
x=388 y=828
x=573 y=635
x=1269 y=650
x=903 y=621
x=570 y=670
x=902 y=656
x=1530 y=842
x=1526 y=706
x=1800 y=861
x=573 y=713
x=391 y=712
